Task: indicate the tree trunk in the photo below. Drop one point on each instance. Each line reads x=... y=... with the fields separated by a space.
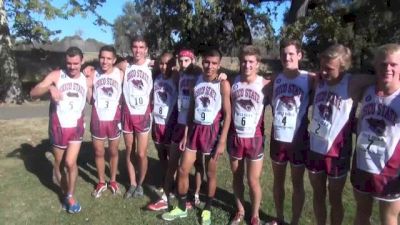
x=297 y=9
x=10 y=85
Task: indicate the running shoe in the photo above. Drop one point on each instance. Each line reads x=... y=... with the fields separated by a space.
x=138 y=191
x=174 y=214
x=129 y=192
x=238 y=219
x=114 y=187
x=255 y=221
x=100 y=188
x=158 y=205
x=197 y=201
x=206 y=217
x=72 y=206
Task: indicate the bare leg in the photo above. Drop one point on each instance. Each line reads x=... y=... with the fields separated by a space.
x=113 y=151
x=129 y=144
x=298 y=196
x=318 y=183
x=389 y=212
x=279 y=171
x=364 y=208
x=99 y=151
x=237 y=167
x=335 y=188
x=254 y=170
x=142 y=145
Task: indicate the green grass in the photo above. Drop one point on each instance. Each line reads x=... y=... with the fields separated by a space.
x=28 y=195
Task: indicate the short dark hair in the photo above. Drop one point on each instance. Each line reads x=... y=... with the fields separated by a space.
x=287 y=42
x=212 y=52
x=108 y=48
x=250 y=50
x=74 y=51
x=138 y=38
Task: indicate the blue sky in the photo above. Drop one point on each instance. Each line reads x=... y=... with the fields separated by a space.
x=111 y=10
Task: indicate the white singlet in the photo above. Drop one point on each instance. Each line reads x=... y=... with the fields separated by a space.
x=107 y=89
x=137 y=86
x=289 y=105
x=164 y=98
x=208 y=101
x=186 y=83
x=69 y=108
x=332 y=106
x=378 y=131
x=247 y=105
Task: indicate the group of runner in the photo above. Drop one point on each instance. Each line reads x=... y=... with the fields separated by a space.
x=195 y=113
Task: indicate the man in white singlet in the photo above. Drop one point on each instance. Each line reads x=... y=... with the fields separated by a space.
x=68 y=90
x=328 y=160
x=376 y=162
x=106 y=86
x=209 y=106
x=136 y=114
x=289 y=137
x=246 y=134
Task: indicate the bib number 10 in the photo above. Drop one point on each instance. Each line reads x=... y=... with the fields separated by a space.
x=139 y=101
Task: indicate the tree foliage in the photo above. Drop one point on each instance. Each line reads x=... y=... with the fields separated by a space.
x=194 y=23
x=26 y=25
x=362 y=25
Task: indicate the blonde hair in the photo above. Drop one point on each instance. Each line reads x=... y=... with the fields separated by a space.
x=338 y=51
x=250 y=50
x=384 y=50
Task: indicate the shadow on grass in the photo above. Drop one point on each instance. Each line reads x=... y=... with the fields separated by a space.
x=38 y=160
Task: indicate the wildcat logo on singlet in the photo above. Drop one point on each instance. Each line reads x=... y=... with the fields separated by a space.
x=325 y=111
x=377 y=126
x=137 y=84
x=288 y=102
x=185 y=92
x=73 y=87
x=163 y=96
x=163 y=90
x=246 y=104
x=205 y=101
x=108 y=91
x=206 y=91
x=139 y=75
x=249 y=94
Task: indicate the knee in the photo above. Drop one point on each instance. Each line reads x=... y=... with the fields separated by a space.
x=183 y=172
x=70 y=164
x=142 y=155
x=254 y=182
x=99 y=154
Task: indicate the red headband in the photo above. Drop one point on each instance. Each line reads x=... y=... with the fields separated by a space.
x=186 y=53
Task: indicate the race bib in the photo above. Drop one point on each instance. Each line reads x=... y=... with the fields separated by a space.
x=371 y=149
x=69 y=105
x=161 y=110
x=321 y=128
x=183 y=103
x=244 y=121
x=203 y=116
x=106 y=103
x=284 y=126
x=137 y=101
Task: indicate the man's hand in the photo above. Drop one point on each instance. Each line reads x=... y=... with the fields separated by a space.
x=89 y=71
x=222 y=76
x=219 y=151
x=182 y=144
